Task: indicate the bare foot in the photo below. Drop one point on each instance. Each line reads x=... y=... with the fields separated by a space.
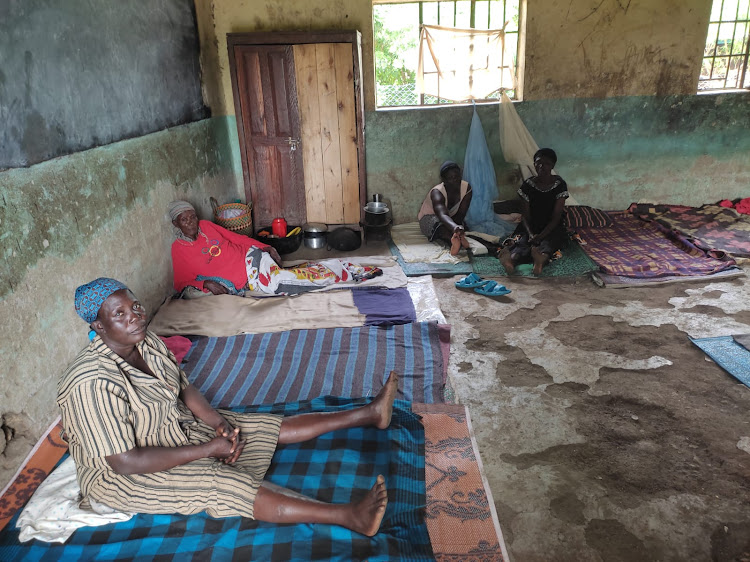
x=540 y=260
x=464 y=242
x=383 y=402
x=507 y=262
x=455 y=244
x=367 y=513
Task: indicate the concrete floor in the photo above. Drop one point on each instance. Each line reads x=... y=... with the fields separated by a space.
x=605 y=433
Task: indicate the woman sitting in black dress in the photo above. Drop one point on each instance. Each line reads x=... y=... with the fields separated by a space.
x=541 y=232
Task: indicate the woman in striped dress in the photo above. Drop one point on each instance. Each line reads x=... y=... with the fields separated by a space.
x=145 y=440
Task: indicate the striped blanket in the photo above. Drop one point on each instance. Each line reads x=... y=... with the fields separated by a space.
x=303 y=364
x=336 y=467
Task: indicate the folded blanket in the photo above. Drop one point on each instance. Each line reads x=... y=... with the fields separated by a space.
x=228 y=315
x=52 y=514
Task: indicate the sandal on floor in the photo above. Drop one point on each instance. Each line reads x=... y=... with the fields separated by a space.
x=492 y=289
x=471 y=281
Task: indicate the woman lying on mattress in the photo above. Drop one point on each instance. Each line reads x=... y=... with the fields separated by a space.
x=443 y=210
x=145 y=440
x=207 y=258
x=541 y=234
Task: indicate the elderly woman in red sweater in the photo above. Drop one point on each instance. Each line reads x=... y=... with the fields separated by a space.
x=214 y=260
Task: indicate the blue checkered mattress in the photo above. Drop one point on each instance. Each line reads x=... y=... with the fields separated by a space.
x=335 y=467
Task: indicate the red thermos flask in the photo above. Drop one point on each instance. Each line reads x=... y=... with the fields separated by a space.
x=278 y=227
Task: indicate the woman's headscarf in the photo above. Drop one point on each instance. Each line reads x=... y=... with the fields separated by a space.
x=91 y=296
x=448 y=165
x=176 y=208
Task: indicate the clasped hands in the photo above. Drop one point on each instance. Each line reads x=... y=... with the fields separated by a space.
x=228 y=444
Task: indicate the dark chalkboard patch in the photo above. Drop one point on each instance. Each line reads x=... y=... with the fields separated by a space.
x=79 y=74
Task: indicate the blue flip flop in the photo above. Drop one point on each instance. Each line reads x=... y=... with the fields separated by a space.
x=492 y=289
x=471 y=281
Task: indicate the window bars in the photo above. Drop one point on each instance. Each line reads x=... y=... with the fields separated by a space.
x=725 y=58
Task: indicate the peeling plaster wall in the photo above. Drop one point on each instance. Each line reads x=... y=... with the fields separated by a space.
x=219 y=17
x=654 y=140
x=675 y=149
x=686 y=150
x=602 y=48
x=406 y=147
x=66 y=221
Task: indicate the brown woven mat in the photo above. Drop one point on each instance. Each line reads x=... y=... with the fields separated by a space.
x=460 y=514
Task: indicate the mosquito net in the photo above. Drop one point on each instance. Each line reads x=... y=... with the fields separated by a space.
x=480 y=173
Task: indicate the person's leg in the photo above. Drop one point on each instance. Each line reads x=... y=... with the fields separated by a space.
x=275 y=504
x=295 y=429
x=540 y=259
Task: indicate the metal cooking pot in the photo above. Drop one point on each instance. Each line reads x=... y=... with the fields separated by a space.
x=376 y=207
x=315 y=235
x=376 y=213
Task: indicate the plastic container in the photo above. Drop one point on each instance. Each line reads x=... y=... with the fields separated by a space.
x=278 y=227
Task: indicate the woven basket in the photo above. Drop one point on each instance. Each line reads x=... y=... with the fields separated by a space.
x=241 y=224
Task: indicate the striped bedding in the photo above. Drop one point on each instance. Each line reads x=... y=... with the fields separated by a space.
x=303 y=364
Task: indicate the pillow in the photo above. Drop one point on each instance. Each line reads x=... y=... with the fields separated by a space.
x=581 y=216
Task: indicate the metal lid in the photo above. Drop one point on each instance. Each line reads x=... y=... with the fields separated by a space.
x=315 y=227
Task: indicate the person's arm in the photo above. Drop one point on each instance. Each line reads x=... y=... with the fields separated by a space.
x=441 y=212
x=144 y=460
x=526 y=217
x=239 y=239
x=201 y=409
x=199 y=406
x=243 y=240
x=525 y=208
x=183 y=272
x=463 y=208
x=557 y=214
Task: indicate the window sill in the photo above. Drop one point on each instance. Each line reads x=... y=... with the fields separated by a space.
x=438 y=105
x=728 y=91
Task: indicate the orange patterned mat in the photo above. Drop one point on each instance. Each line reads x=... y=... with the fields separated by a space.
x=38 y=465
x=460 y=514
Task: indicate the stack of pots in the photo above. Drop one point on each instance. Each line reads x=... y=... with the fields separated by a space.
x=376 y=212
x=315 y=235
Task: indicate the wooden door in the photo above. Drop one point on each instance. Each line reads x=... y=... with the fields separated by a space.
x=330 y=138
x=311 y=120
x=269 y=129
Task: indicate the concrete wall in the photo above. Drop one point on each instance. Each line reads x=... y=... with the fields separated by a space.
x=602 y=48
x=219 y=17
x=654 y=139
x=676 y=149
x=66 y=221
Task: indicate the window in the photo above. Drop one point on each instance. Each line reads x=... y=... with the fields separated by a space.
x=725 y=58
x=397 y=34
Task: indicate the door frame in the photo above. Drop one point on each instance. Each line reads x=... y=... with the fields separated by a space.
x=300 y=38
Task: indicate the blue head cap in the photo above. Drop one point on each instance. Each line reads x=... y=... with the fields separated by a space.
x=91 y=296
